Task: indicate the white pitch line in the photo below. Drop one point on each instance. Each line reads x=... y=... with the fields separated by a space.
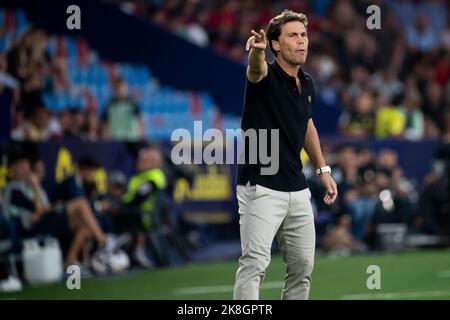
x=396 y=295
x=223 y=288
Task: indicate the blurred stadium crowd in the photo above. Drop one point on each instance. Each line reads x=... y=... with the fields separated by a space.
x=392 y=82
x=135 y=217
x=388 y=82
x=62 y=90
x=377 y=200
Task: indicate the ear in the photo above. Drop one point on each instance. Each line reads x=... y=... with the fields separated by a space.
x=276 y=45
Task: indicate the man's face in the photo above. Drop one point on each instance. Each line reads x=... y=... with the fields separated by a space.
x=39 y=169
x=388 y=159
x=116 y=190
x=122 y=90
x=347 y=157
x=41 y=118
x=20 y=169
x=149 y=159
x=292 y=44
x=87 y=175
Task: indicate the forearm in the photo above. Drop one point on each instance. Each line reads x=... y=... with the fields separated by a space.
x=141 y=127
x=256 y=61
x=105 y=131
x=38 y=205
x=312 y=146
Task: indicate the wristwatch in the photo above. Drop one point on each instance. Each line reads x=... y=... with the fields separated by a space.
x=326 y=169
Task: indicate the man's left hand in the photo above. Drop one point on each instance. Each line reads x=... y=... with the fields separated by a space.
x=330 y=187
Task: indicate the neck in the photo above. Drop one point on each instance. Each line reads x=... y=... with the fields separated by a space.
x=290 y=69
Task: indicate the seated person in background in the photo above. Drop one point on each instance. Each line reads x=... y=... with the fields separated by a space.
x=27 y=203
x=81 y=187
x=339 y=240
x=116 y=217
x=81 y=184
x=121 y=219
x=142 y=195
x=109 y=208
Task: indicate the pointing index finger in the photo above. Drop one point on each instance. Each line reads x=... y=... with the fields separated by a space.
x=255 y=34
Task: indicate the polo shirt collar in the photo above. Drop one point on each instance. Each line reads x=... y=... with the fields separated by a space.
x=300 y=73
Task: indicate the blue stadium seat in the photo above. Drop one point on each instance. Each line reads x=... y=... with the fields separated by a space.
x=51 y=47
x=21 y=20
x=172 y=107
x=71 y=47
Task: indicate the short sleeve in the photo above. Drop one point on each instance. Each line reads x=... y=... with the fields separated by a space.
x=261 y=83
x=312 y=98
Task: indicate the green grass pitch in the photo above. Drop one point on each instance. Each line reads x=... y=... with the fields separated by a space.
x=407 y=275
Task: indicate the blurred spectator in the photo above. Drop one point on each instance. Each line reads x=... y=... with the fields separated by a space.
x=431 y=129
x=6 y=80
x=60 y=78
x=393 y=207
x=359 y=80
x=445 y=37
x=421 y=35
x=345 y=170
x=28 y=62
x=433 y=103
x=122 y=119
x=414 y=123
x=361 y=202
x=36 y=127
x=70 y=124
x=346 y=60
x=446 y=133
x=9 y=89
x=388 y=160
x=339 y=240
x=108 y=206
x=387 y=83
x=360 y=121
x=195 y=31
x=143 y=194
x=124 y=219
x=404 y=10
x=91 y=128
x=395 y=199
x=436 y=11
x=28 y=204
x=441 y=69
x=390 y=122
x=365 y=158
x=433 y=216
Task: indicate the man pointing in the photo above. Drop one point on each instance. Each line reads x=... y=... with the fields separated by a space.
x=279 y=96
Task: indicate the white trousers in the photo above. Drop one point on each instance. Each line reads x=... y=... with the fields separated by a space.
x=264 y=214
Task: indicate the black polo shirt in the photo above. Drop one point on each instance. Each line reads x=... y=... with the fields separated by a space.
x=275 y=103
